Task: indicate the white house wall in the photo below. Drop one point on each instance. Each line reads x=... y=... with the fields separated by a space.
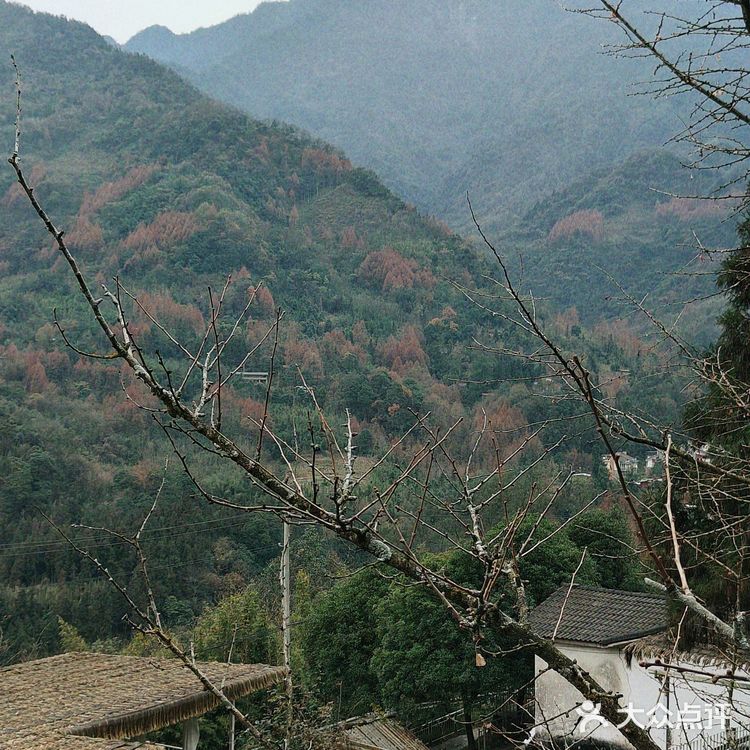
x=557 y=700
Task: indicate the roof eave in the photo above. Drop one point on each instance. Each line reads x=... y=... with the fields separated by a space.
x=619 y=642
x=166 y=714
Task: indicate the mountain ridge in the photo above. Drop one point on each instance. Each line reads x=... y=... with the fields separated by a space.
x=171 y=192
x=437 y=98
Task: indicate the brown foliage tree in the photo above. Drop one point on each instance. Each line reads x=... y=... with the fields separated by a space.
x=166 y=229
x=389 y=269
x=325 y=162
x=113 y=191
x=691 y=209
x=588 y=222
x=162 y=306
x=404 y=351
x=85 y=235
x=335 y=345
x=35 y=376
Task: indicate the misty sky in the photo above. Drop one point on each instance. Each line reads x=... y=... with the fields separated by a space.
x=123 y=18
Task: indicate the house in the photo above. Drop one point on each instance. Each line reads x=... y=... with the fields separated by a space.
x=623 y=639
x=654 y=459
x=89 y=701
x=628 y=464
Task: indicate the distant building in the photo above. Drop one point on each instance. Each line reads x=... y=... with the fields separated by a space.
x=654 y=459
x=628 y=464
x=621 y=638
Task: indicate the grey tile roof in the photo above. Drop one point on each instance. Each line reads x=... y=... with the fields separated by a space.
x=379 y=733
x=600 y=616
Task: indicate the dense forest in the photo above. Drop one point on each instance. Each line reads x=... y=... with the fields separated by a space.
x=611 y=237
x=171 y=192
x=437 y=98
x=372 y=318
x=558 y=155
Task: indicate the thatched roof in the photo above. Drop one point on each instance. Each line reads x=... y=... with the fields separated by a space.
x=661 y=647
x=58 y=741
x=56 y=703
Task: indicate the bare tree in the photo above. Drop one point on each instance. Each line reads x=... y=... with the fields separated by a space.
x=187 y=406
x=699 y=51
x=700 y=54
x=717 y=474
x=335 y=496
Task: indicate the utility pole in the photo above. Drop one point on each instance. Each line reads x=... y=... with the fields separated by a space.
x=286 y=615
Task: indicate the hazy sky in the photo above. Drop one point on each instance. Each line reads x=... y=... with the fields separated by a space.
x=123 y=18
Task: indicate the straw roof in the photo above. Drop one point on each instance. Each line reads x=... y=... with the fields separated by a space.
x=56 y=703
x=662 y=647
x=56 y=741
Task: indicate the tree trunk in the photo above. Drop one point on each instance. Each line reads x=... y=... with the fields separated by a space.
x=471 y=742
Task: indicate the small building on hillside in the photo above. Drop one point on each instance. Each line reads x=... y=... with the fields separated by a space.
x=629 y=465
x=622 y=639
x=654 y=461
x=106 y=702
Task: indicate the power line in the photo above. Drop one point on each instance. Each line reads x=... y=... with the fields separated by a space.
x=98 y=577
x=147 y=531
x=96 y=542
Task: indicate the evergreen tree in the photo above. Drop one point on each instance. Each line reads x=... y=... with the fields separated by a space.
x=719 y=416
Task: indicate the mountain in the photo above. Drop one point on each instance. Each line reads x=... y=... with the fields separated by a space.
x=166 y=189
x=621 y=231
x=120 y=147
x=441 y=98
x=170 y=191
x=507 y=100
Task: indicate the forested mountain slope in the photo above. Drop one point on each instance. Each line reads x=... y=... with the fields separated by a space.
x=156 y=183
x=505 y=99
x=514 y=102
x=621 y=232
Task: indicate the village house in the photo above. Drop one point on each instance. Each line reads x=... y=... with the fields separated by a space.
x=629 y=464
x=86 y=701
x=654 y=460
x=622 y=639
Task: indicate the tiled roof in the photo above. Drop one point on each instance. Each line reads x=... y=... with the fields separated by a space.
x=600 y=616
x=56 y=703
x=379 y=733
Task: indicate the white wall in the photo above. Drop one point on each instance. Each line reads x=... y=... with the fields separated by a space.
x=556 y=700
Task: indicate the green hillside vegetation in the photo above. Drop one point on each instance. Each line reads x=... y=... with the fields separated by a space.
x=155 y=182
x=441 y=98
x=437 y=97
x=624 y=226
